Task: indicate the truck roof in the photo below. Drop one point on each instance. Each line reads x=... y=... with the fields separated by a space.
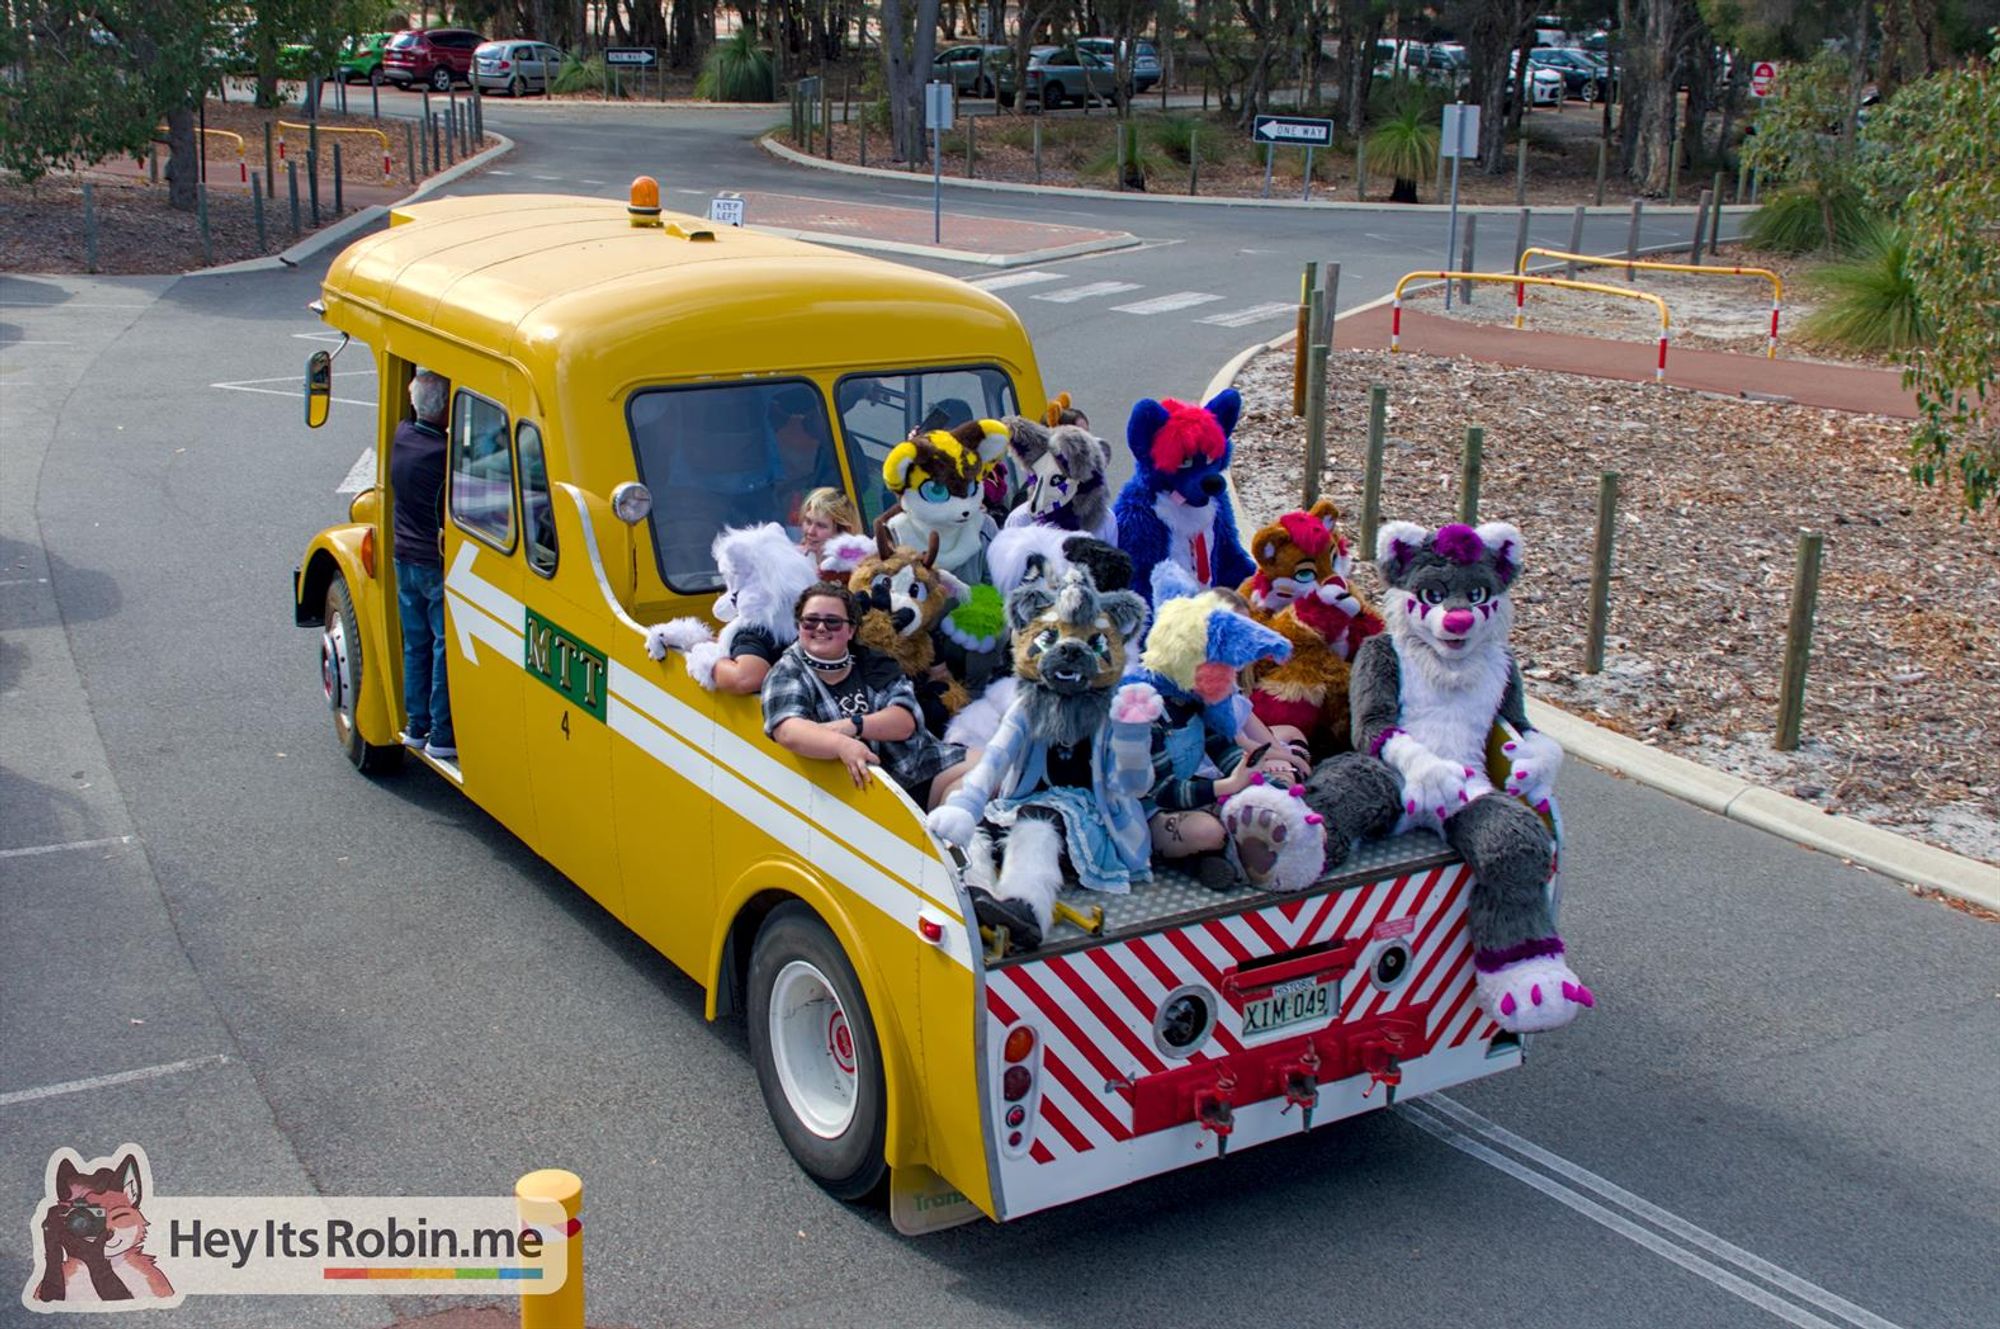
x=531 y=276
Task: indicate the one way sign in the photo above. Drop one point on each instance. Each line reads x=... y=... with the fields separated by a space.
x=1292 y=129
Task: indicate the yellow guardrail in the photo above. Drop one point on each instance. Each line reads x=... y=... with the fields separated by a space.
x=1711 y=270
x=1521 y=282
x=388 y=166
x=242 y=161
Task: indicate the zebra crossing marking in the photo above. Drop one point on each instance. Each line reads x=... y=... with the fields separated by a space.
x=1003 y=280
x=1239 y=318
x=1166 y=304
x=1088 y=292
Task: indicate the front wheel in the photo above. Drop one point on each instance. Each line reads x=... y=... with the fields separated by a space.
x=375 y=77
x=517 y=87
x=818 y=1060
x=1590 y=93
x=441 y=79
x=342 y=666
x=1052 y=96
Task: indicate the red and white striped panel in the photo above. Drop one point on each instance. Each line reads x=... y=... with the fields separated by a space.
x=1094 y=1009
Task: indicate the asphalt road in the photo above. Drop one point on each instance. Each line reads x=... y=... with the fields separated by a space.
x=220 y=942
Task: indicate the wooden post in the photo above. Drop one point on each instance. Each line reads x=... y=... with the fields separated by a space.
x=1798 y=642
x=971 y=150
x=1575 y=240
x=1465 y=255
x=1468 y=474
x=90 y=226
x=375 y=99
x=1302 y=338
x=1521 y=236
x=1118 y=150
x=1715 y=217
x=270 y=171
x=1361 y=170
x=1754 y=174
x=1038 y=149
x=1600 y=572
x=1603 y=164
x=201 y=222
x=153 y=159
x=1329 y=308
x=1371 y=476
x=257 y=206
x=826 y=120
x=312 y=184
x=1194 y=162
x=1521 y=171
x=292 y=178
x=1315 y=417
x=339 y=202
x=1701 y=208
x=1742 y=180
x=1673 y=162
x=1632 y=241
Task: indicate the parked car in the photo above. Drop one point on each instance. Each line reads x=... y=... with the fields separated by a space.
x=516 y=68
x=438 y=57
x=361 y=58
x=1545 y=86
x=1145 y=59
x=1059 y=74
x=1582 y=77
x=974 y=69
x=1444 y=65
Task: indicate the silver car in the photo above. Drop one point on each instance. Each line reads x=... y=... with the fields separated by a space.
x=516 y=67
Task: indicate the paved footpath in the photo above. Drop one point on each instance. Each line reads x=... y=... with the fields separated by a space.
x=1809 y=383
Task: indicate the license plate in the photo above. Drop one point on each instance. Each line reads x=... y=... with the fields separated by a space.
x=1290 y=1004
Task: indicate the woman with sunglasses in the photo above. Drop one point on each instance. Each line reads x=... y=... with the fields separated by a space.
x=832 y=700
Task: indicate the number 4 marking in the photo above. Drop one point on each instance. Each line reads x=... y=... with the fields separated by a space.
x=565 y=725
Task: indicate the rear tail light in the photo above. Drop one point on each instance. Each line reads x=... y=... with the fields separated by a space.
x=1016 y=1083
x=1020 y=1042
x=506 y=65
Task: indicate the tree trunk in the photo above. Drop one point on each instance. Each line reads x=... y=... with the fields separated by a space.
x=183 y=159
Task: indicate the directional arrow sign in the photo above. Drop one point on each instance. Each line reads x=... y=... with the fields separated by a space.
x=1292 y=129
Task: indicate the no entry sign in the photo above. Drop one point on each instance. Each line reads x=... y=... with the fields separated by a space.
x=1762 y=75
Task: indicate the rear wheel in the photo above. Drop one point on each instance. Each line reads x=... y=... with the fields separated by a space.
x=441 y=79
x=375 y=77
x=517 y=86
x=818 y=1060
x=341 y=669
x=1052 y=96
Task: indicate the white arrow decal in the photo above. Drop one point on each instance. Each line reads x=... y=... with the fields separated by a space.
x=485 y=611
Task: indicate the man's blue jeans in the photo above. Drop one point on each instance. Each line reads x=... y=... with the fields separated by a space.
x=426 y=697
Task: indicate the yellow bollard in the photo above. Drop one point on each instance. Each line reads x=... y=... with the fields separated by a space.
x=563 y=1308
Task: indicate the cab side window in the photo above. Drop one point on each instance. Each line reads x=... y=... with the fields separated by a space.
x=482 y=471
x=734 y=455
x=538 y=518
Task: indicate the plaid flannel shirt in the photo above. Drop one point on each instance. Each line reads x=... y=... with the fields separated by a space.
x=792 y=689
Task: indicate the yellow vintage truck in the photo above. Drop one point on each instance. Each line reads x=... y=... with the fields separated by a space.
x=614 y=374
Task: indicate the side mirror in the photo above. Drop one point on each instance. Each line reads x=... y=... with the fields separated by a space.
x=319 y=388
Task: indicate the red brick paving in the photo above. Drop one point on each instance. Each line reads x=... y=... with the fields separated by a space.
x=983 y=235
x=1839 y=387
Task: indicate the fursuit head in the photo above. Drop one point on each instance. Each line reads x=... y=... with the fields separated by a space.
x=905 y=598
x=763 y=574
x=1439 y=715
x=1064 y=469
x=1070 y=642
x=937 y=478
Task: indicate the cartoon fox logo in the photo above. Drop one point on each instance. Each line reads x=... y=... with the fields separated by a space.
x=93 y=1235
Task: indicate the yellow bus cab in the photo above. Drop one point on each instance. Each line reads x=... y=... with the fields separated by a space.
x=615 y=374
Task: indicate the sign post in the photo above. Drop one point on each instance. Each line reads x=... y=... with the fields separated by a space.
x=1295 y=131
x=937 y=119
x=641 y=60
x=1459 y=140
x=1762 y=75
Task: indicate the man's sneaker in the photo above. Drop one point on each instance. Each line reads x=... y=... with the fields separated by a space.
x=440 y=753
x=417 y=741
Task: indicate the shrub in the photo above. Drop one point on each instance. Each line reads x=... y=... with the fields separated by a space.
x=579 y=75
x=1142 y=163
x=1176 y=135
x=1873 y=304
x=738 y=70
x=1405 y=147
x=1793 y=221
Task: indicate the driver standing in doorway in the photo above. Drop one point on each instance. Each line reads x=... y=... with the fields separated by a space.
x=416 y=478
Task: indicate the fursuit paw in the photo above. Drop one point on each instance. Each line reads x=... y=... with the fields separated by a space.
x=1280 y=842
x=1533 y=760
x=1534 y=994
x=952 y=825
x=1023 y=932
x=1435 y=787
x=678 y=634
x=841 y=554
x=1137 y=703
x=701 y=662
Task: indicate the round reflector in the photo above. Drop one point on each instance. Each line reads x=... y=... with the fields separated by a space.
x=1014 y=1085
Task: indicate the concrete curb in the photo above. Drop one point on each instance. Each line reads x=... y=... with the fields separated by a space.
x=908 y=249
x=1892 y=855
x=327 y=235
x=769 y=143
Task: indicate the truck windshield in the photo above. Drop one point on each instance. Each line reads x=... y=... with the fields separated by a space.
x=878 y=411
x=726 y=455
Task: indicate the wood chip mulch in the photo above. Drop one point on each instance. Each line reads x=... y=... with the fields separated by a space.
x=1900 y=727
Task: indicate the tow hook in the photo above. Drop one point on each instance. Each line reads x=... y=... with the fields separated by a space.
x=1212 y=1112
x=1302 y=1087
x=1379 y=1059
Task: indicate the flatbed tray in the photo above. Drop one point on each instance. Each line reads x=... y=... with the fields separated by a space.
x=1174 y=899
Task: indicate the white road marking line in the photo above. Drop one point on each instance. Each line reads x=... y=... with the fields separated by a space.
x=105 y=1081
x=1166 y=304
x=276 y=392
x=32 y=850
x=556 y=178
x=499 y=173
x=1087 y=292
x=1006 y=279
x=5 y=344
x=1254 y=314
x=360 y=476
x=590 y=182
x=333 y=337
x=1659 y=1217
x=1433 y=1116
x=24 y=581
x=61 y=304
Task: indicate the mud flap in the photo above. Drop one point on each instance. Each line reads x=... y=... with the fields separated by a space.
x=922 y=1202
